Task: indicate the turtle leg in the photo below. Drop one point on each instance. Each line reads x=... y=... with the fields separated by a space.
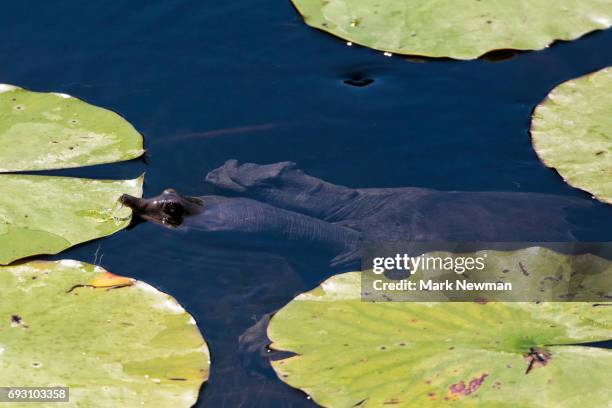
x=282 y=185
x=241 y=178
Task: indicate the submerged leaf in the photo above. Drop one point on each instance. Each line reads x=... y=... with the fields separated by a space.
x=43 y=131
x=126 y=347
x=572 y=132
x=461 y=29
x=351 y=353
x=45 y=215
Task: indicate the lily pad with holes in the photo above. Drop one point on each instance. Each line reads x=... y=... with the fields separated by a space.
x=572 y=132
x=114 y=341
x=461 y=29
x=350 y=353
x=46 y=215
x=43 y=131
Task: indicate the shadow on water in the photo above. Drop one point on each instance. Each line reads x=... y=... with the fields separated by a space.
x=208 y=81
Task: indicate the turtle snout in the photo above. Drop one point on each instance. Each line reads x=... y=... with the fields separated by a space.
x=134 y=203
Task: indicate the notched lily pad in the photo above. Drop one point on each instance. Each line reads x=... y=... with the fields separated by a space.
x=350 y=353
x=43 y=131
x=126 y=345
x=461 y=29
x=572 y=132
x=46 y=215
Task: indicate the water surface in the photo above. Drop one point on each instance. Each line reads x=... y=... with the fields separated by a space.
x=208 y=81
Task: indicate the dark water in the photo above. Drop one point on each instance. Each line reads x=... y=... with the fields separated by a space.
x=208 y=81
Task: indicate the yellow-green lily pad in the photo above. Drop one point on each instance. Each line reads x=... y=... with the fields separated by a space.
x=114 y=341
x=351 y=353
x=572 y=133
x=460 y=29
x=46 y=215
x=44 y=131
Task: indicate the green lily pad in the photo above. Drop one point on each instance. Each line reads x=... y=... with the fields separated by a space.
x=461 y=29
x=114 y=341
x=43 y=131
x=572 y=132
x=351 y=353
x=46 y=215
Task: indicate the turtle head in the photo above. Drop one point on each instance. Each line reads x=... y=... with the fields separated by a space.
x=168 y=209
